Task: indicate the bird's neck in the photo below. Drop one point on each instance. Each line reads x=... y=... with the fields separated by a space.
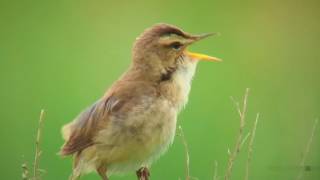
x=143 y=72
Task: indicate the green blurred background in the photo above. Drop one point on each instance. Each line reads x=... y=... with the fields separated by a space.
x=63 y=55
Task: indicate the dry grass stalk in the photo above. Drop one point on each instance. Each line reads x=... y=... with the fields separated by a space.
x=233 y=155
x=244 y=140
x=185 y=144
x=36 y=172
x=215 y=175
x=250 y=147
x=36 y=169
x=306 y=151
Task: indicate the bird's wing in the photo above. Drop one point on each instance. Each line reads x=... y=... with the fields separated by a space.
x=81 y=133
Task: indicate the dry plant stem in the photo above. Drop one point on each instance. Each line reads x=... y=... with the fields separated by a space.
x=185 y=144
x=215 y=176
x=244 y=140
x=233 y=155
x=306 y=151
x=250 y=147
x=38 y=151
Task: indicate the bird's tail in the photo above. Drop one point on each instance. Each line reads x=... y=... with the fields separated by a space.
x=74 y=176
x=66 y=131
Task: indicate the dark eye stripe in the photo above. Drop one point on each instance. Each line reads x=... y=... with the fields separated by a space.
x=176 y=45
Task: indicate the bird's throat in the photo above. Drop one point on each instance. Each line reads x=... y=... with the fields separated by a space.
x=167 y=74
x=177 y=88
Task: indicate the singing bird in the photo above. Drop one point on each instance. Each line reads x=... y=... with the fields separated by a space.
x=135 y=121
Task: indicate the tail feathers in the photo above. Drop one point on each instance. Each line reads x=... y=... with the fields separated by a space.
x=81 y=166
x=65 y=151
x=66 y=131
x=72 y=147
x=75 y=175
x=68 y=147
x=76 y=172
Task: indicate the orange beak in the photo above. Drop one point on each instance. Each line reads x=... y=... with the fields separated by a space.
x=198 y=56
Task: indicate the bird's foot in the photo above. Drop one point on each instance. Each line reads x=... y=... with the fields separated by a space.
x=143 y=173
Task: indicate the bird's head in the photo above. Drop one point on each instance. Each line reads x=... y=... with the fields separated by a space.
x=162 y=47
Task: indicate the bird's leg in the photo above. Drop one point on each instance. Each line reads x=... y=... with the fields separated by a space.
x=102 y=171
x=143 y=173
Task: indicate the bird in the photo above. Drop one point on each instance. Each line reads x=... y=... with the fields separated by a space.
x=134 y=122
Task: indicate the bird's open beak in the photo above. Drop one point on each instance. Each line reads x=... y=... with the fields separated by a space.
x=198 y=56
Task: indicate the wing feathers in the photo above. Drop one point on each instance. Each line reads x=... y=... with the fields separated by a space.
x=81 y=132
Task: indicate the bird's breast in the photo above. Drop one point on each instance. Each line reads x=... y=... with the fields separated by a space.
x=154 y=128
x=142 y=135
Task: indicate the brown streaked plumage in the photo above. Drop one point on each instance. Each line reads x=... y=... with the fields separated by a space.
x=135 y=121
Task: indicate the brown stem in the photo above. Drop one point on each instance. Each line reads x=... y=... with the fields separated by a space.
x=233 y=155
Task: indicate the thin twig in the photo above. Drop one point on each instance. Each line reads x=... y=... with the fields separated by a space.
x=38 y=150
x=236 y=103
x=306 y=151
x=215 y=175
x=250 y=146
x=244 y=140
x=184 y=141
x=233 y=155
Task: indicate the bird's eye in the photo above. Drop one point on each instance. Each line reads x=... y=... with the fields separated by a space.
x=176 y=46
